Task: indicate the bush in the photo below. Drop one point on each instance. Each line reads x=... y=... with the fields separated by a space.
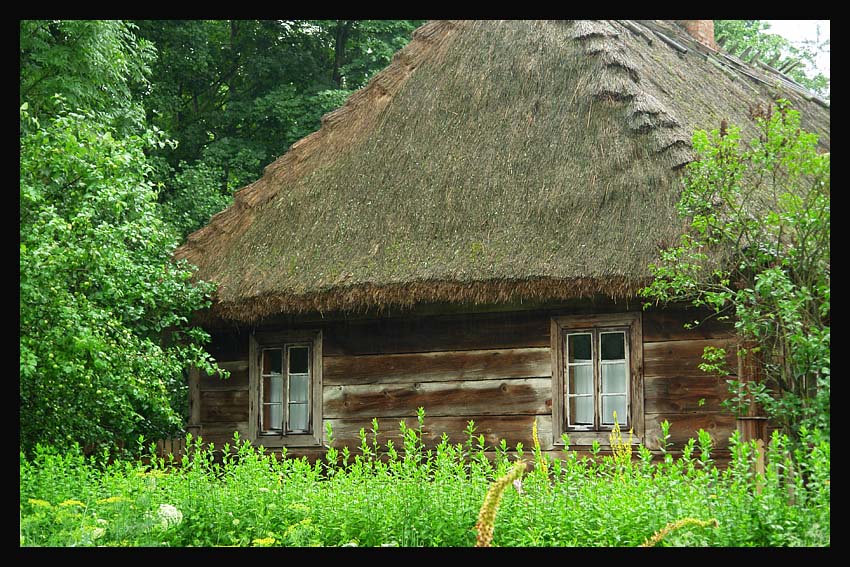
x=413 y=496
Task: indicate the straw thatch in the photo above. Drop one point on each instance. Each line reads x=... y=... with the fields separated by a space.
x=491 y=161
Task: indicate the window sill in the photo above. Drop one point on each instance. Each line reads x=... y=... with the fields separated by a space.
x=276 y=441
x=586 y=438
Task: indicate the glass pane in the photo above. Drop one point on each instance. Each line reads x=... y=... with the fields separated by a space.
x=613 y=346
x=610 y=404
x=299 y=360
x=578 y=348
x=581 y=410
x=297 y=417
x=298 y=386
x=272 y=415
x=273 y=389
x=272 y=361
x=614 y=378
x=581 y=379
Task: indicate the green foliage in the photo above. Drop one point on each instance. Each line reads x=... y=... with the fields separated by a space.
x=753 y=38
x=103 y=311
x=92 y=64
x=758 y=249
x=240 y=495
x=236 y=94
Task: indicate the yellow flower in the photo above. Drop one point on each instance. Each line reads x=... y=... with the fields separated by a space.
x=264 y=541
x=38 y=502
x=112 y=499
x=71 y=503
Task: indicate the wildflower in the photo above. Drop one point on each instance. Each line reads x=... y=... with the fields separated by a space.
x=71 y=503
x=672 y=526
x=263 y=489
x=518 y=486
x=112 y=499
x=264 y=541
x=38 y=502
x=97 y=533
x=169 y=516
x=487 y=514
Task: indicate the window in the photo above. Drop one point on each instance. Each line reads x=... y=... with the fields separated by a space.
x=285 y=382
x=596 y=371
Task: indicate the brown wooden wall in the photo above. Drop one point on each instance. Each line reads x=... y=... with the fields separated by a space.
x=674 y=385
x=493 y=369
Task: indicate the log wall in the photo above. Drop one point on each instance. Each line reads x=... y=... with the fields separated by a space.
x=493 y=369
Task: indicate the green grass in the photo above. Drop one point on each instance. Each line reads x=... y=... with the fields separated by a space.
x=410 y=496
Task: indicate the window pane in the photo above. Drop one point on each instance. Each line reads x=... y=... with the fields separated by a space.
x=275 y=417
x=298 y=360
x=273 y=389
x=297 y=417
x=581 y=411
x=272 y=417
x=613 y=346
x=614 y=378
x=298 y=386
x=610 y=404
x=272 y=401
x=578 y=347
x=272 y=361
x=581 y=379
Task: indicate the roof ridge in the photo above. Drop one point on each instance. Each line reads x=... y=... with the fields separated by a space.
x=754 y=69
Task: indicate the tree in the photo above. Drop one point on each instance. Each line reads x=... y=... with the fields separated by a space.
x=92 y=64
x=758 y=250
x=752 y=38
x=104 y=331
x=235 y=94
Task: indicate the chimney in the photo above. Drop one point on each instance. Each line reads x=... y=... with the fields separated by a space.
x=700 y=30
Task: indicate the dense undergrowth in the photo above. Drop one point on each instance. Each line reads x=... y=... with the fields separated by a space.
x=382 y=495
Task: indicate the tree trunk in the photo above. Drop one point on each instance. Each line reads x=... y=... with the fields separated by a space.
x=343 y=28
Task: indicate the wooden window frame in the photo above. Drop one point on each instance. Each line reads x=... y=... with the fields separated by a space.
x=567 y=324
x=282 y=339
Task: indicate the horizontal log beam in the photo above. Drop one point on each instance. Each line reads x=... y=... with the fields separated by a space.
x=486 y=397
x=437 y=366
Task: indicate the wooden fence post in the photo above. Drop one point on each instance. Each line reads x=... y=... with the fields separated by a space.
x=752 y=425
x=194 y=424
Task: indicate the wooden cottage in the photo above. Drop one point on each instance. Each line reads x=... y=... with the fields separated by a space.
x=468 y=234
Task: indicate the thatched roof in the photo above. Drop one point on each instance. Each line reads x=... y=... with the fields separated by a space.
x=491 y=161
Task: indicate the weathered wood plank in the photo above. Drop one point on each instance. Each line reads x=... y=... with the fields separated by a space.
x=683 y=426
x=238 y=377
x=681 y=394
x=512 y=429
x=484 y=397
x=682 y=358
x=471 y=332
x=220 y=433
x=668 y=325
x=194 y=398
x=437 y=366
x=228 y=344
x=224 y=405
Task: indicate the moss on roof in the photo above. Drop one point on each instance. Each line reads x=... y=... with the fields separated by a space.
x=491 y=161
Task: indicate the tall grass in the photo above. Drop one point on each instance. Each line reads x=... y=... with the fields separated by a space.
x=382 y=495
